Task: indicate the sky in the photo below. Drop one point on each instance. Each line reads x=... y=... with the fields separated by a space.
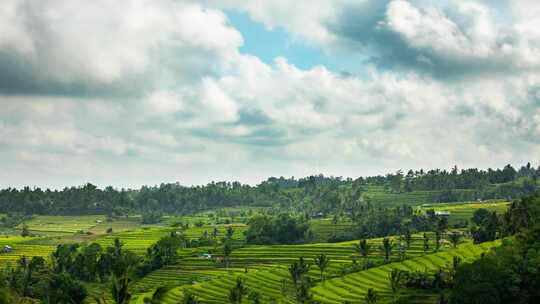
x=140 y=92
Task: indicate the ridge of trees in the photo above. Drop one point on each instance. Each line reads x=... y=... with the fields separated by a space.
x=315 y=193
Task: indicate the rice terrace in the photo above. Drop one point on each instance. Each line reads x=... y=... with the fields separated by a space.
x=269 y=152
x=342 y=244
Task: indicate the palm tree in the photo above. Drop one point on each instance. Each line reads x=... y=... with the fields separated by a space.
x=254 y=297
x=227 y=250
x=452 y=269
x=371 y=296
x=408 y=237
x=402 y=249
x=426 y=242
x=294 y=272
x=120 y=290
x=238 y=291
x=386 y=247
x=455 y=238
x=229 y=233
x=297 y=270
x=189 y=298
x=437 y=240
x=157 y=296
x=362 y=248
x=395 y=280
x=442 y=226
x=322 y=262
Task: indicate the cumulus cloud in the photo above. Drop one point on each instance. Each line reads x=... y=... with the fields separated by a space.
x=446 y=39
x=88 y=47
x=137 y=92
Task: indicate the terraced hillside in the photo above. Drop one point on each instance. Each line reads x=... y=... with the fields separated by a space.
x=266 y=268
x=323 y=229
x=380 y=197
x=22 y=246
x=465 y=210
x=353 y=287
x=61 y=225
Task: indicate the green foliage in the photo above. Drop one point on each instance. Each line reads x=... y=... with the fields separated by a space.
x=63 y=289
x=322 y=262
x=12 y=220
x=120 y=289
x=386 y=248
x=297 y=270
x=487 y=231
x=237 y=293
x=165 y=251
x=455 y=237
x=510 y=273
x=151 y=214
x=395 y=278
x=426 y=242
x=371 y=296
x=311 y=194
x=227 y=250
x=158 y=296
x=254 y=297
x=282 y=229
x=480 y=216
x=25 y=231
x=188 y=297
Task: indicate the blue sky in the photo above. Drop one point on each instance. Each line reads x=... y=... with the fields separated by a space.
x=127 y=93
x=269 y=43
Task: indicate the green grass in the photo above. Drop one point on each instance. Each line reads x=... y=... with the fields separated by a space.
x=266 y=269
x=55 y=225
x=266 y=266
x=464 y=211
x=22 y=246
x=353 y=287
x=379 y=197
x=323 y=229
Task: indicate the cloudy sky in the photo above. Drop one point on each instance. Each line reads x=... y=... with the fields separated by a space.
x=146 y=91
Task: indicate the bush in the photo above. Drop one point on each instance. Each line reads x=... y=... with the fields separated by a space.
x=341 y=237
x=282 y=229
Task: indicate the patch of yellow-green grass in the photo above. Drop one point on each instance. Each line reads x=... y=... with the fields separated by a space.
x=353 y=287
x=121 y=224
x=59 y=224
x=465 y=210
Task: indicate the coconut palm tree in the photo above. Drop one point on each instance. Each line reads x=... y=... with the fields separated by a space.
x=238 y=291
x=395 y=277
x=120 y=290
x=362 y=248
x=157 y=296
x=297 y=270
x=455 y=238
x=227 y=250
x=407 y=235
x=426 y=242
x=189 y=298
x=386 y=248
x=322 y=262
x=371 y=296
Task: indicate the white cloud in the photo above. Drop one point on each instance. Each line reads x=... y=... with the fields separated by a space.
x=206 y=111
x=105 y=42
x=304 y=18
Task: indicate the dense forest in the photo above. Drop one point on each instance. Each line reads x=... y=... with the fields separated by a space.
x=313 y=193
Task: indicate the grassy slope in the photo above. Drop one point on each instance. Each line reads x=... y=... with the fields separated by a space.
x=353 y=287
x=266 y=265
x=464 y=211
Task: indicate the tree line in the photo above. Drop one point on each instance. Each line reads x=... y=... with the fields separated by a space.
x=314 y=193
